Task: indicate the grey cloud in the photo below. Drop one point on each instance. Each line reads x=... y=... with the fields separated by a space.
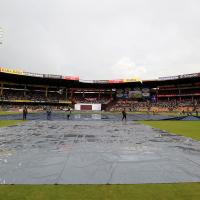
x=90 y=38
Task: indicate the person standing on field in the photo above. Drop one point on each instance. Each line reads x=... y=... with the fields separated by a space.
x=49 y=111
x=124 y=114
x=68 y=112
x=25 y=112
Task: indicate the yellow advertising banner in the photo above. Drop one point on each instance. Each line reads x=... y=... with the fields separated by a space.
x=11 y=71
x=66 y=102
x=18 y=101
x=132 y=80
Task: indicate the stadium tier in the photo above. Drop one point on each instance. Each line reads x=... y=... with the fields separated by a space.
x=179 y=93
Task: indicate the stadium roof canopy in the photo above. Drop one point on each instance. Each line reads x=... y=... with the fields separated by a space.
x=21 y=77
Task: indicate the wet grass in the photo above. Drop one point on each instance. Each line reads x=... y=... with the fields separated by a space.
x=182 y=191
x=8 y=113
x=94 y=112
x=186 y=128
x=128 y=112
x=4 y=123
x=17 y=112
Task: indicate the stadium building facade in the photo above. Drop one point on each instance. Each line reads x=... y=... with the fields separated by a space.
x=18 y=88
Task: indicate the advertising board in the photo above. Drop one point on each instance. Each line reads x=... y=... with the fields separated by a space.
x=11 y=71
x=74 y=78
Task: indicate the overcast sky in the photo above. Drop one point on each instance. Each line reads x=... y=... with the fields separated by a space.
x=101 y=39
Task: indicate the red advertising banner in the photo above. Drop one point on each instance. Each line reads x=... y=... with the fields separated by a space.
x=116 y=81
x=125 y=80
x=74 y=78
x=86 y=107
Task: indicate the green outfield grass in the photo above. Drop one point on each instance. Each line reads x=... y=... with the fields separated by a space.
x=128 y=112
x=8 y=113
x=185 y=191
x=16 y=113
x=186 y=128
x=94 y=112
x=9 y=122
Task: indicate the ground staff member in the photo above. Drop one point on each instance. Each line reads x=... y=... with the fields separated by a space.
x=49 y=113
x=124 y=114
x=68 y=112
x=25 y=112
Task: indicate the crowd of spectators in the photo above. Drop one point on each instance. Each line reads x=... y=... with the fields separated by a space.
x=36 y=96
x=40 y=96
x=162 y=106
x=186 y=105
x=102 y=100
